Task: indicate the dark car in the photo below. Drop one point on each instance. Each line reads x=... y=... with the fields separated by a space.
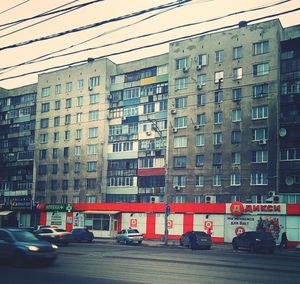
x=129 y=236
x=203 y=239
x=20 y=247
x=82 y=235
x=255 y=241
x=55 y=235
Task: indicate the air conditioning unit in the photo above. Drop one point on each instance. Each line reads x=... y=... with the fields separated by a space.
x=196 y=127
x=154 y=199
x=185 y=69
x=271 y=193
x=173 y=111
x=110 y=97
x=210 y=199
x=174 y=130
x=90 y=88
x=108 y=117
x=262 y=142
x=124 y=117
x=199 y=67
x=177 y=187
x=199 y=86
x=148 y=133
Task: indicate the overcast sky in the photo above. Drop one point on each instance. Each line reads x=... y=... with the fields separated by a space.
x=193 y=11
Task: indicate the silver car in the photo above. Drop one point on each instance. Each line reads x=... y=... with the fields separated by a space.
x=129 y=236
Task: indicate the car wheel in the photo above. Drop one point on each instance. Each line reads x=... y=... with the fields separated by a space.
x=180 y=243
x=234 y=245
x=19 y=260
x=139 y=242
x=252 y=248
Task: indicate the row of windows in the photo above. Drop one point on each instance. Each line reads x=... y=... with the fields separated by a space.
x=64 y=199
x=90 y=183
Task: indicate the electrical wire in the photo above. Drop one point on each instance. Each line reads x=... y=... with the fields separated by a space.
x=13 y=7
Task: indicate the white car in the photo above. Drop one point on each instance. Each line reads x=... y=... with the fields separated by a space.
x=129 y=236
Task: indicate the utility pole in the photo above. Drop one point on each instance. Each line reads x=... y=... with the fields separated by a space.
x=167 y=207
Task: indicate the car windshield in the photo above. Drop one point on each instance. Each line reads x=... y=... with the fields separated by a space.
x=264 y=235
x=24 y=236
x=201 y=234
x=132 y=231
x=59 y=230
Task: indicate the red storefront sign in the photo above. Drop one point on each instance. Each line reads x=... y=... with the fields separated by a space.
x=238 y=208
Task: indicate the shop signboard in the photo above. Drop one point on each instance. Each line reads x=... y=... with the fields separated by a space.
x=21 y=203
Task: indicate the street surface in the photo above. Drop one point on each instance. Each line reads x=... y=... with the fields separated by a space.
x=108 y=262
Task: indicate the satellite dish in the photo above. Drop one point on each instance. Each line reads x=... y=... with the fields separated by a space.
x=282 y=132
x=289 y=180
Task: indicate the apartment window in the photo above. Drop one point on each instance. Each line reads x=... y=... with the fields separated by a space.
x=69 y=86
x=80 y=84
x=64 y=199
x=261 y=90
x=58 y=89
x=93 y=132
x=56 y=136
x=46 y=92
x=201 y=119
x=128 y=146
x=94 y=81
x=202 y=59
x=260 y=156
x=259 y=179
x=180 y=122
x=78 y=134
x=259 y=134
x=67 y=135
x=65 y=184
x=181 y=102
x=260 y=112
x=90 y=199
x=236 y=115
x=92 y=149
x=44 y=138
x=217 y=138
x=54 y=185
x=181 y=83
x=117 y=147
x=201 y=79
x=45 y=107
x=237 y=94
x=57 y=105
x=68 y=103
x=79 y=117
x=291 y=154
x=179 y=162
x=199 y=160
x=260 y=47
x=219 y=76
x=201 y=100
x=131 y=93
x=43 y=154
x=56 y=121
x=44 y=122
x=236 y=158
x=237 y=52
x=93 y=115
x=217 y=180
x=42 y=170
x=54 y=169
x=181 y=63
x=180 y=142
x=148 y=108
x=91 y=183
x=77 y=167
x=91 y=166
x=68 y=119
x=237 y=73
x=179 y=181
x=219 y=56
x=66 y=152
x=131 y=111
x=236 y=137
x=200 y=140
x=94 y=98
x=235 y=179
x=163 y=105
x=79 y=101
x=218 y=117
x=76 y=184
x=76 y=199
x=218 y=96
x=199 y=181
x=77 y=150
x=146 y=163
x=217 y=159
x=41 y=185
x=260 y=69
x=162 y=69
x=66 y=168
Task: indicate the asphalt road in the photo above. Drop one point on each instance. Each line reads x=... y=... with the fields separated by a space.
x=116 y=263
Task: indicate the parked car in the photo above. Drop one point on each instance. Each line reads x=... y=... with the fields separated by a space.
x=255 y=241
x=20 y=247
x=203 y=239
x=82 y=234
x=55 y=235
x=128 y=236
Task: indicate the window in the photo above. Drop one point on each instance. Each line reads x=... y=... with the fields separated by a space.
x=90 y=199
x=259 y=112
x=57 y=105
x=236 y=115
x=260 y=47
x=43 y=154
x=80 y=84
x=54 y=185
x=181 y=102
x=65 y=184
x=180 y=122
x=148 y=108
x=217 y=138
x=69 y=87
x=201 y=79
x=181 y=83
x=76 y=198
x=261 y=90
x=93 y=115
x=162 y=69
x=44 y=122
x=68 y=103
x=46 y=92
x=58 y=89
x=218 y=117
x=77 y=167
x=259 y=179
x=94 y=81
x=67 y=134
x=68 y=119
x=93 y=132
x=77 y=150
x=217 y=180
x=92 y=149
x=78 y=134
x=236 y=158
x=179 y=162
x=42 y=170
x=44 y=138
x=91 y=166
x=219 y=56
x=54 y=169
x=131 y=111
x=146 y=163
x=260 y=156
x=201 y=100
x=218 y=96
x=66 y=168
x=56 y=136
x=179 y=181
x=236 y=137
x=131 y=93
x=219 y=76
x=94 y=98
x=56 y=121
x=45 y=107
x=79 y=101
x=261 y=69
x=202 y=59
x=217 y=159
x=91 y=183
x=199 y=181
x=55 y=152
x=200 y=140
x=66 y=152
x=76 y=184
x=291 y=154
x=236 y=94
x=41 y=185
x=199 y=160
x=237 y=52
x=128 y=146
x=64 y=199
x=237 y=73
x=259 y=134
x=180 y=142
x=201 y=119
x=79 y=117
x=235 y=179
x=163 y=105
x=181 y=63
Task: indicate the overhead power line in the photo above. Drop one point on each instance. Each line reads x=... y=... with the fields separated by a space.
x=13 y=7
